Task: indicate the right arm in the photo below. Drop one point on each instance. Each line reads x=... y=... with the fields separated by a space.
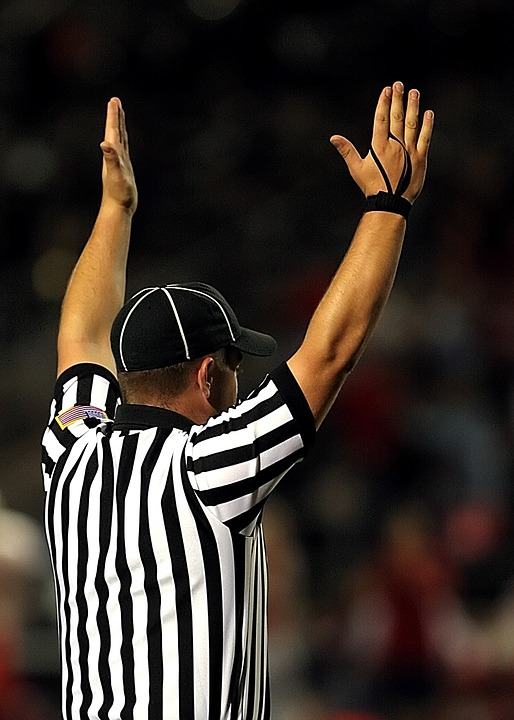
x=348 y=312
x=96 y=288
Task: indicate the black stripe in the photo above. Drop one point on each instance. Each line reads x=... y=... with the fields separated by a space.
x=153 y=595
x=242 y=521
x=64 y=437
x=253 y=393
x=126 y=465
x=245 y=453
x=50 y=529
x=403 y=182
x=65 y=524
x=227 y=493
x=102 y=590
x=84 y=390
x=83 y=370
x=251 y=650
x=47 y=461
x=263 y=580
x=296 y=402
x=382 y=171
x=112 y=399
x=83 y=554
x=182 y=599
x=236 y=688
x=212 y=569
x=239 y=422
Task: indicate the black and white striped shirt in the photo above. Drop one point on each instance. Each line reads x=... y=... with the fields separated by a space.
x=154 y=529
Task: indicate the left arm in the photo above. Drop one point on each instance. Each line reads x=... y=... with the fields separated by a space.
x=347 y=314
x=96 y=289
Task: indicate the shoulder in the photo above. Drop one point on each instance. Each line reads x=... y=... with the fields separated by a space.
x=277 y=402
x=85 y=396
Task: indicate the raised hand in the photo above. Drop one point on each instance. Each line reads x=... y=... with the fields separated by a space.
x=397 y=160
x=119 y=184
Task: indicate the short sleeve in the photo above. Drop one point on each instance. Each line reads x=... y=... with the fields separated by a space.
x=238 y=457
x=85 y=398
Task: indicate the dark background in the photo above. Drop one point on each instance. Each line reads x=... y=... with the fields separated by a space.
x=391 y=547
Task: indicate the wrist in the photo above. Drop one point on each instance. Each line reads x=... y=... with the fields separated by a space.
x=388 y=202
x=118 y=209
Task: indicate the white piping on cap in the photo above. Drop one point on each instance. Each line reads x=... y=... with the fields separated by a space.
x=147 y=291
x=210 y=297
x=181 y=329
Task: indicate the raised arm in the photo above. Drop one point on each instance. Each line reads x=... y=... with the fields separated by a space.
x=96 y=289
x=391 y=177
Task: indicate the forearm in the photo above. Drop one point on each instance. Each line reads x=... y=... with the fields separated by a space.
x=96 y=289
x=359 y=290
x=349 y=310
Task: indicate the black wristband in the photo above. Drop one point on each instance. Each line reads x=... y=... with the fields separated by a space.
x=388 y=202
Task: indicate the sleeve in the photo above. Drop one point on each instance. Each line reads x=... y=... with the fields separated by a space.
x=238 y=457
x=85 y=397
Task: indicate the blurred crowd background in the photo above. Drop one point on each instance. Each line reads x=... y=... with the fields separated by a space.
x=391 y=547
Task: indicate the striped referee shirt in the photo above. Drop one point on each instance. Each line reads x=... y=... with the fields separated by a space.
x=155 y=535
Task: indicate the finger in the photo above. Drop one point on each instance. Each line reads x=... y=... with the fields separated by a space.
x=123 y=127
x=348 y=152
x=381 y=120
x=411 y=119
x=112 y=133
x=425 y=135
x=397 y=120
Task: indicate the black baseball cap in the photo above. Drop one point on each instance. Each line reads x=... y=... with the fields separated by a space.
x=161 y=326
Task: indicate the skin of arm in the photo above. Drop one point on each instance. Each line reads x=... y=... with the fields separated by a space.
x=96 y=288
x=348 y=312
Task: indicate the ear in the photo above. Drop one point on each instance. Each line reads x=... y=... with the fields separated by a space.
x=204 y=376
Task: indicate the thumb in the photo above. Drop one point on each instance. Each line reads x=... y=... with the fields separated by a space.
x=345 y=148
x=108 y=151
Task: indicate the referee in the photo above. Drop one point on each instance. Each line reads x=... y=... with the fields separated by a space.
x=156 y=476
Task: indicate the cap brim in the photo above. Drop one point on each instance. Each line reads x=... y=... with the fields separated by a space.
x=255 y=343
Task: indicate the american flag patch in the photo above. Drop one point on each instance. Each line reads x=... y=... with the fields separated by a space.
x=80 y=412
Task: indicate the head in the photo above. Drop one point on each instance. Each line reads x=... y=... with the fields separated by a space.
x=197 y=389
x=180 y=346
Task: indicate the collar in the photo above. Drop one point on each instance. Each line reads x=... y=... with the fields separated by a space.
x=141 y=417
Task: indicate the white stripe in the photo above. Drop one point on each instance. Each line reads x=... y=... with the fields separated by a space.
x=93 y=549
x=177 y=318
x=254 y=567
x=55 y=523
x=225 y=547
x=99 y=392
x=165 y=577
x=199 y=606
x=137 y=584
x=148 y=292
x=113 y=605
x=265 y=392
x=229 y=474
x=249 y=618
x=53 y=412
x=56 y=520
x=233 y=439
x=75 y=490
x=52 y=445
x=259 y=624
x=213 y=299
x=69 y=394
